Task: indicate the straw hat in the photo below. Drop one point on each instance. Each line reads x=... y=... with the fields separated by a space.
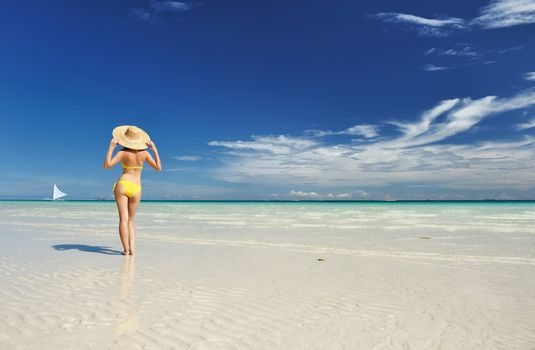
x=131 y=136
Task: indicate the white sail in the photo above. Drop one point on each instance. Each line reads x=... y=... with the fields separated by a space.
x=57 y=193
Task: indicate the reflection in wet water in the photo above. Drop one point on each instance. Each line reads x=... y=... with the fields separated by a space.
x=128 y=307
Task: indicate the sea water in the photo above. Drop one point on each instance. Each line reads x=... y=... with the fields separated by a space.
x=492 y=231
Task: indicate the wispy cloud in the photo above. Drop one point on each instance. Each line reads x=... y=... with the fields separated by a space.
x=464 y=50
x=406 y=18
x=464 y=55
x=280 y=144
x=423 y=26
x=506 y=13
x=142 y=15
x=529 y=76
x=188 y=158
x=170 y=6
x=497 y=14
x=510 y=49
x=365 y=130
x=354 y=195
x=433 y=68
x=350 y=195
x=528 y=125
x=154 y=10
x=305 y=195
x=462 y=115
x=368 y=131
x=422 y=152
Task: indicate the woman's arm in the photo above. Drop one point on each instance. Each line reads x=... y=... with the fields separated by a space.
x=157 y=165
x=108 y=160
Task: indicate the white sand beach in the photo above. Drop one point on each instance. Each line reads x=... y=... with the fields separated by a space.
x=247 y=276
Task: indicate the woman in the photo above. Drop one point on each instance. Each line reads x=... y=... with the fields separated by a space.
x=127 y=189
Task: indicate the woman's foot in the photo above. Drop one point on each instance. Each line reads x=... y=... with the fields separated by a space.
x=126 y=252
x=131 y=252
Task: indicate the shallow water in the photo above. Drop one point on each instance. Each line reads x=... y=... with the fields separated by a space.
x=476 y=231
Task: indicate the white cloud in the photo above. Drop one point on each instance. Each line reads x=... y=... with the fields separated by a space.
x=140 y=14
x=368 y=131
x=530 y=76
x=462 y=115
x=414 y=129
x=280 y=144
x=155 y=9
x=433 y=68
x=528 y=125
x=365 y=130
x=188 y=158
x=169 y=6
x=511 y=49
x=506 y=13
x=420 y=153
x=339 y=196
x=403 y=17
x=352 y=195
x=305 y=195
x=465 y=50
x=331 y=196
x=424 y=26
x=360 y=194
x=497 y=14
x=462 y=54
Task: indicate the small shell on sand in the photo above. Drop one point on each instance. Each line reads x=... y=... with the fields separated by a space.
x=321 y=259
x=423 y=237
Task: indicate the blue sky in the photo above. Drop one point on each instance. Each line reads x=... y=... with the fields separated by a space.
x=272 y=100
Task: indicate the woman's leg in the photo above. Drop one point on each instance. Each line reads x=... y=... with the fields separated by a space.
x=133 y=203
x=122 y=207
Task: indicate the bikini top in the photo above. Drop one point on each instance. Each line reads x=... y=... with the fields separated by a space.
x=131 y=167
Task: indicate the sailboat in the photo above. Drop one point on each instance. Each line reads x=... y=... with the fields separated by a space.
x=57 y=193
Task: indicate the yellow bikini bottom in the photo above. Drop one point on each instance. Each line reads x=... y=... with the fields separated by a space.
x=130 y=188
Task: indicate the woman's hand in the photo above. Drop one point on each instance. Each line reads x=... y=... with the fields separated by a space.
x=150 y=144
x=114 y=142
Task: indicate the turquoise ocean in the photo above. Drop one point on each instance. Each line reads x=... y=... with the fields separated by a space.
x=486 y=231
